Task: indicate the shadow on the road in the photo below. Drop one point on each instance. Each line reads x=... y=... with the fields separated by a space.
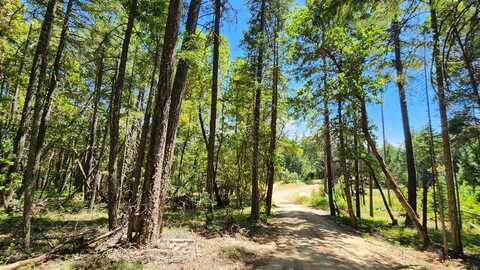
x=307 y=239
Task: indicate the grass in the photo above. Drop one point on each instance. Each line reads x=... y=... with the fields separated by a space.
x=52 y=224
x=380 y=223
x=237 y=253
x=55 y=222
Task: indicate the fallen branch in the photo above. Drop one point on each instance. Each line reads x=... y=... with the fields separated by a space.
x=53 y=253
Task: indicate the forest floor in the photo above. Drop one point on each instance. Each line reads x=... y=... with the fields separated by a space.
x=297 y=237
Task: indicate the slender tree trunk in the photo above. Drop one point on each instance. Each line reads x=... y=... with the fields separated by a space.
x=447 y=158
x=43 y=102
x=116 y=104
x=154 y=186
x=92 y=138
x=255 y=204
x=385 y=151
x=328 y=154
x=273 y=120
x=370 y=186
x=412 y=176
x=357 y=176
x=218 y=197
x=392 y=181
x=41 y=52
x=98 y=170
x=424 y=203
x=182 y=155
x=213 y=109
x=343 y=165
x=433 y=159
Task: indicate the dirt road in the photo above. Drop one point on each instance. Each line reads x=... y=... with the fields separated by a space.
x=306 y=238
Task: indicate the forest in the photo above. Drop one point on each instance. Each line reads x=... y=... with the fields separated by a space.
x=228 y=134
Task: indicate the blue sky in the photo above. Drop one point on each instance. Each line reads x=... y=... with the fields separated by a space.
x=233 y=29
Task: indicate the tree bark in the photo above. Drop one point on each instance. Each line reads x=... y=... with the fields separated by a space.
x=370 y=195
x=43 y=102
x=412 y=175
x=273 y=120
x=154 y=186
x=392 y=181
x=357 y=176
x=328 y=152
x=447 y=158
x=213 y=109
x=116 y=104
x=255 y=200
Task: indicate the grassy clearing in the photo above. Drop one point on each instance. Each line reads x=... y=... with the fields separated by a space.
x=380 y=222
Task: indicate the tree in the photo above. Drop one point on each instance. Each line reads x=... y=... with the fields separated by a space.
x=447 y=158
x=153 y=192
x=41 y=54
x=255 y=204
x=273 y=119
x=343 y=164
x=92 y=137
x=412 y=175
x=178 y=91
x=328 y=151
x=393 y=183
x=213 y=109
x=114 y=121
x=43 y=102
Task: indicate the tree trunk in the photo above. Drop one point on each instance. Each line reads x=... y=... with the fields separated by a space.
x=116 y=104
x=140 y=155
x=370 y=195
x=385 y=151
x=273 y=120
x=92 y=138
x=41 y=52
x=392 y=181
x=447 y=158
x=343 y=165
x=255 y=204
x=43 y=102
x=154 y=186
x=328 y=152
x=357 y=176
x=178 y=92
x=412 y=176
x=98 y=170
x=213 y=109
